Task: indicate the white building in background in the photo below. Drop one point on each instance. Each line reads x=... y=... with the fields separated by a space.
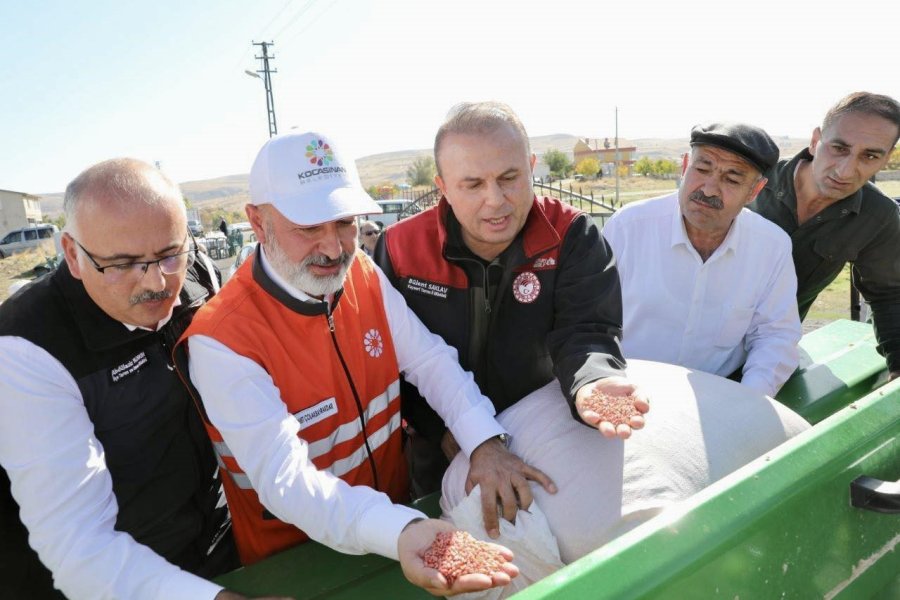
x=18 y=209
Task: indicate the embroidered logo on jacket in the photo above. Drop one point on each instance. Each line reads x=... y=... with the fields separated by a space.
x=373 y=343
x=128 y=368
x=314 y=414
x=526 y=287
x=427 y=288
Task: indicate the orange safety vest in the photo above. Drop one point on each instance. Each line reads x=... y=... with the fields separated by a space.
x=334 y=374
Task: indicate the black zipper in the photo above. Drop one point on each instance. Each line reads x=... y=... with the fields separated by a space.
x=359 y=408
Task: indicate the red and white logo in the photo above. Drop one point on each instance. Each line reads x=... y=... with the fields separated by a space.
x=373 y=343
x=526 y=287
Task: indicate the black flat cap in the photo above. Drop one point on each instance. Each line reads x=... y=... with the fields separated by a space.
x=749 y=142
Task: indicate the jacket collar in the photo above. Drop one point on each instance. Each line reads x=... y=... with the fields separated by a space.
x=537 y=236
x=782 y=186
x=100 y=331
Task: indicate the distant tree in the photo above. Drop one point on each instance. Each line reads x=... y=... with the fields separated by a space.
x=588 y=167
x=894 y=161
x=59 y=220
x=372 y=190
x=386 y=191
x=421 y=172
x=644 y=166
x=664 y=167
x=558 y=163
x=187 y=202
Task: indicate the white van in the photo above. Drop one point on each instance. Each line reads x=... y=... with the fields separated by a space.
x=391 y=210
x=19 y=240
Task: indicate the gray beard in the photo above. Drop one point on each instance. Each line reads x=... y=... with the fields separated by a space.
x=299 y=275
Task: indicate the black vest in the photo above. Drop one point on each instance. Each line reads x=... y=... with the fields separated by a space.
x=158 y=454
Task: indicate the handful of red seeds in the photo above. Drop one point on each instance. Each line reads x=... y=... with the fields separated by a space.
x=456 y=553
x=618 y=410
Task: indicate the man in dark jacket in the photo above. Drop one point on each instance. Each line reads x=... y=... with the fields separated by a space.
x=823 y=199
x=108 y=465
x=524 y=288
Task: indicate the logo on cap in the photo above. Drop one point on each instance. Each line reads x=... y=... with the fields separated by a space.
x=319 y=153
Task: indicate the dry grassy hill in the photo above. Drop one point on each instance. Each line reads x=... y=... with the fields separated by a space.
x=231 y=192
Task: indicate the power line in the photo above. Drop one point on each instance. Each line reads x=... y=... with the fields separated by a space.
x=303 y=10
x=262 y=34
x=311 y=23
x=275 y=18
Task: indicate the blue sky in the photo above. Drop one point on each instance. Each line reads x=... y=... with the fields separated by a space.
x=164 y=81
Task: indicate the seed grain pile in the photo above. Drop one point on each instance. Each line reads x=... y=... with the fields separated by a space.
x=456 y=553
x=618 y=410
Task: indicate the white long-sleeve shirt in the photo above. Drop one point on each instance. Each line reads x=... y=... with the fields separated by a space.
x=58 y=474
x=244 y=404
x=738 y=307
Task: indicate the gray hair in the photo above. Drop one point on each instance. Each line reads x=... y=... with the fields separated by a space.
x=122 y=180
x=866 y=103
x=478 y=117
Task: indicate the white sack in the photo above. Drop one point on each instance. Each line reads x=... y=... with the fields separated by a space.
x=700 y=428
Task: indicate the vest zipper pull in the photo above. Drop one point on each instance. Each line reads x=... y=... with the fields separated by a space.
x=330 y=322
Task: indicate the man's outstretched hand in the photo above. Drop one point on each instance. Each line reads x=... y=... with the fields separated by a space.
x=418 y=536
x=612 y=386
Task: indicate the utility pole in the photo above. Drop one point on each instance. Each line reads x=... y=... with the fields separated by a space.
x=267 y=81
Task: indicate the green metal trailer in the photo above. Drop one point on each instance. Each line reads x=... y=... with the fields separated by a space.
x=810 y=519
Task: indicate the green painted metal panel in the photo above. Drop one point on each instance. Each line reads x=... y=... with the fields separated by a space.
x=838 y=364
x=782 y=526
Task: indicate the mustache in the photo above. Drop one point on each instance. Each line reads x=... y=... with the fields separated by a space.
x=710 y=201
x=320 y=260
x=148 y=296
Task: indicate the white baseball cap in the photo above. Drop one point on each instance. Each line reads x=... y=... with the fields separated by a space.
x=305 y=177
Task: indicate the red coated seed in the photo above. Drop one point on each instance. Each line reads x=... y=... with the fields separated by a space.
x=456 y=553
x=618 y=410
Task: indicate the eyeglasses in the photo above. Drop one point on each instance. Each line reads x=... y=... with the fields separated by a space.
x=370 y=233
x=168 y=265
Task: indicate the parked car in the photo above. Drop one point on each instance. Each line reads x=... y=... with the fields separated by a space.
x=25 y=238
x=239 y=258
x=195 y=227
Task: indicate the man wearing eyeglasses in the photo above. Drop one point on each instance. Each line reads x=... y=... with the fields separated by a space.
x=108 y=464
x=368 y=236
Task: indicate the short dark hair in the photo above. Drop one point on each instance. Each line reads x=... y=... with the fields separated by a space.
x=867 y=103
x=478 y=117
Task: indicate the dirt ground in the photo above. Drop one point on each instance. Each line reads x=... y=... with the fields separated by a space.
x=19 y=266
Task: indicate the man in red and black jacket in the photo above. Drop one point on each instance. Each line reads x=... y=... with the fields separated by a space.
x=525 y=288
